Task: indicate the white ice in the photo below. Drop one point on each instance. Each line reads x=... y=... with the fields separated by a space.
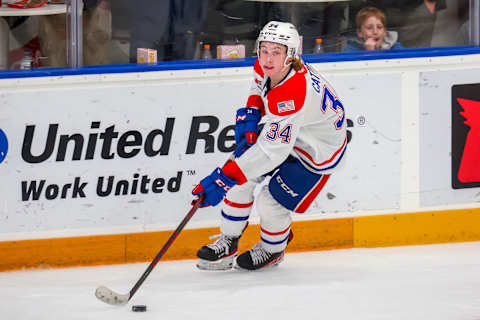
x=431 y=282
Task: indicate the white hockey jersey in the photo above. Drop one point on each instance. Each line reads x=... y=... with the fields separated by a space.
x=303 y=117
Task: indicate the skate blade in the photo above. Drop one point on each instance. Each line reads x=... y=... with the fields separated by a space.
x=220 y=265
x=267 y=267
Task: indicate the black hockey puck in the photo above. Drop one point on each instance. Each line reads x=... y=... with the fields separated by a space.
x=139 y=308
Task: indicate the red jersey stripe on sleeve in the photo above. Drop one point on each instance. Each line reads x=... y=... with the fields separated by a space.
x=257 y=102
x=233 y=171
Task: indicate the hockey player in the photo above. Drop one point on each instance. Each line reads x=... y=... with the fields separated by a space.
x=302 y=142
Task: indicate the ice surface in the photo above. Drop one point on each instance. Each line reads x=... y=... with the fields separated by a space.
x=431 y=282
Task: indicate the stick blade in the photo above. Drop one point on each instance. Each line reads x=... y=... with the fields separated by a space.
x=108 y=296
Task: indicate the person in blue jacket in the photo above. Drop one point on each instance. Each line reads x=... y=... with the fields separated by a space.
x=372 y=33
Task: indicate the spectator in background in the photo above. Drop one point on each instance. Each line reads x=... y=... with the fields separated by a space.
x=234 y=22
x=188 y=18
x=372 y=32
x=414 y=20
x=324 y=21
x=463 y=34
x=314 y=20
x=463 y=37
x=171 y=27
x=97 y=32
x=149 y=26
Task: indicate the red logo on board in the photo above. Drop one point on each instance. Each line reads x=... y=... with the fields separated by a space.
x=465 y=134
x=469 y=170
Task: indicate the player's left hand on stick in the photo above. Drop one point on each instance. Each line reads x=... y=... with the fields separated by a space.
x=215 y=187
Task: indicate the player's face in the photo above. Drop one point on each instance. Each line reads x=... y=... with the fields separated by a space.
x=272 y=57
x=374 y=29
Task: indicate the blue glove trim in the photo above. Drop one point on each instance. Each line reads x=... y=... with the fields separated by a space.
x=241 y=148
x=215 y=186
x=246 y=120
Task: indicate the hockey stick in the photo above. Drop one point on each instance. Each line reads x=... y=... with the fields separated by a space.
x=108 y=296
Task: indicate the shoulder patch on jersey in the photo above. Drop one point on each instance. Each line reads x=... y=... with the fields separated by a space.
x=286 y=106
x=289 y=97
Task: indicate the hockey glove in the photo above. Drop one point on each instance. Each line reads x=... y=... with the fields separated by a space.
x=244 y=145
x=246 y=122
x=214 y=186
x=241 y=148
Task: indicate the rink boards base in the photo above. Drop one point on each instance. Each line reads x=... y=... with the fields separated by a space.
x=312 y=235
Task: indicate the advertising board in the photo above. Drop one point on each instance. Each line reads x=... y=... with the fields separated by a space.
x=101 y=157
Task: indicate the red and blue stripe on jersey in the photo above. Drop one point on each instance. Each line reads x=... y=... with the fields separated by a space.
x=307 y=160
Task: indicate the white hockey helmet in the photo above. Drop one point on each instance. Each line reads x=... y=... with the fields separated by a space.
x=283 y=33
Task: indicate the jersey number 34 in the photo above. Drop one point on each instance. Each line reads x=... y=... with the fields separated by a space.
x=277 y=132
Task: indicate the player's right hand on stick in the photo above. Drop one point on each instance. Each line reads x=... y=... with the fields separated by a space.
x=215 y=187
x=246 y=122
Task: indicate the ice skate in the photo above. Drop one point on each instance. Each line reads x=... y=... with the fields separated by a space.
x=218 y=255
x=258 y=258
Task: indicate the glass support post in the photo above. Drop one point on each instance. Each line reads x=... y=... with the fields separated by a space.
x=474 y=30
x=74 y=33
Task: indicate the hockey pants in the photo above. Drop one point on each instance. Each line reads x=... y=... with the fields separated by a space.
x=275 y=220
